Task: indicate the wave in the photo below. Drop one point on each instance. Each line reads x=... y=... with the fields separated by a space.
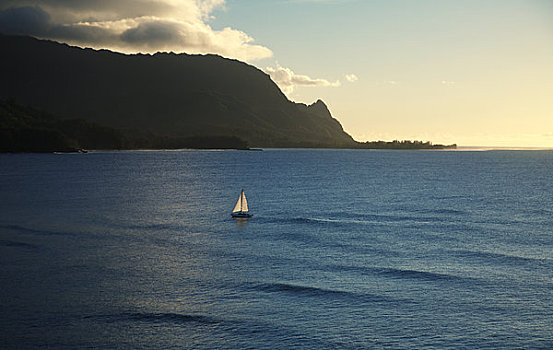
x=318 y=221
x=540 y=211
x=401 y=273
x=154 y=227
x=407 y=213
x=308 y=291
x=446 y=216
x=447 y=211
x=32 y=231
x=7 y=243
x=397 y=273
x=155 y=318
x=324 y=222
x=284 y=287
x=499 y=257
x=418 y=275
x=242 y=328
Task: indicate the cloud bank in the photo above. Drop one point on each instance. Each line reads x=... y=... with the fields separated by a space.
x=130 y=26
x=351 y=78
x=287 y=80
x=144 y=26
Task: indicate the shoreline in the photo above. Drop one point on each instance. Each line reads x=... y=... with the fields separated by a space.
x=259 y=149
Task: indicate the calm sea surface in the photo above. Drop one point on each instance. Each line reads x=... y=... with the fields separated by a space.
x=347 y=249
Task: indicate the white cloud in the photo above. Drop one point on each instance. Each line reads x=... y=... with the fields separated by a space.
x=207 y=6
x=287 y=80
x=351 y=78
x=131 y=26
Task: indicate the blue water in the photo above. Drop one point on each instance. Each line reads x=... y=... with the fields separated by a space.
x=347 y=249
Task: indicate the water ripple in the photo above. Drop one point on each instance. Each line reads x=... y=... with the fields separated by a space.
x=155 y=318
x=415 y=274
x=32 y=231
x=500 y=257
x=7 y=243
x=309 y=291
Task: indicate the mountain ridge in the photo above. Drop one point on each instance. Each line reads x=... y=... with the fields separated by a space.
x=173 y=95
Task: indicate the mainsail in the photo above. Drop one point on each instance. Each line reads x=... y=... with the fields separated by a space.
x=241 y=204
x=244 y=202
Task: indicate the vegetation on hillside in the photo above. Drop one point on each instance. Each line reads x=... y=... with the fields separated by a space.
x=26 y=129
x=405 y=144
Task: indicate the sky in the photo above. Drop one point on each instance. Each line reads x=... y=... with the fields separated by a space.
x=475 y=73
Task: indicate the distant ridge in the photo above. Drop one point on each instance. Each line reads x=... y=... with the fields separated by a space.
x=165 y=94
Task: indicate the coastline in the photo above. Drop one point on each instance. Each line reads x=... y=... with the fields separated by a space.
x=261 y=149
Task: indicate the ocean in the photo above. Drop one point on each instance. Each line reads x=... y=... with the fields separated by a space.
x=347 y=249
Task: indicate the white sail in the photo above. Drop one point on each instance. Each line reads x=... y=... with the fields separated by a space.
x=244 y=202
x=241 y=208
x=238 y=206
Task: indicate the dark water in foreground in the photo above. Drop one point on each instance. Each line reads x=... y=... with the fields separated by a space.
x=347 y=249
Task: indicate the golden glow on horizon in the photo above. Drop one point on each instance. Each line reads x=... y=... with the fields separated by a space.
x=467 y=72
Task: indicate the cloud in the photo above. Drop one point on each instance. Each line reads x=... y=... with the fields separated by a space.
x=24 y=20
x=152 y=32
x=351 y=78
x=287 y=80
x=131 y=26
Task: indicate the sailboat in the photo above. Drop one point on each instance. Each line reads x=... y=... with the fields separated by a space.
x=241 y=208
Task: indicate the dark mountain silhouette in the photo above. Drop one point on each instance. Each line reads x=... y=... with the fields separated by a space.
x=26 y=129
x=172 y=96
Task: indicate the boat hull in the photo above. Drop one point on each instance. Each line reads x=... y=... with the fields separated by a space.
x=241 y=215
